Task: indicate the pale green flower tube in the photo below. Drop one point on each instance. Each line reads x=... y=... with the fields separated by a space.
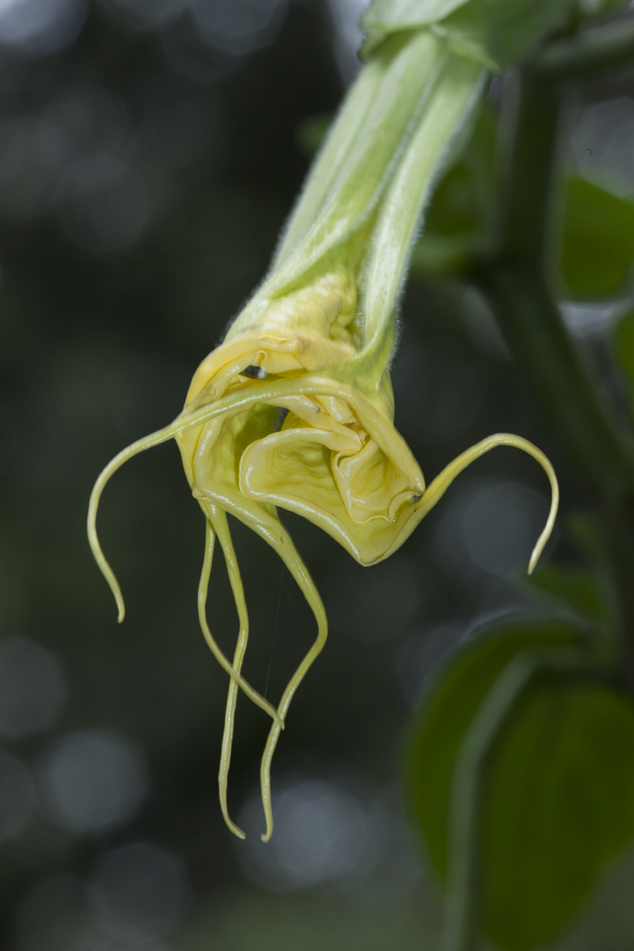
x=295 y=408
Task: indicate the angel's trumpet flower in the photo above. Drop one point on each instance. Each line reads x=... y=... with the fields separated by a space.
x=294 y=409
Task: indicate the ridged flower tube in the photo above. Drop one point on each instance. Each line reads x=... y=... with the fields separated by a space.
x=294 y=409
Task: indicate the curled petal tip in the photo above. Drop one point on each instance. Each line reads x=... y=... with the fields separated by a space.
x=539 y=547
x=237 y=831
x=543 y=538
x=116 y=591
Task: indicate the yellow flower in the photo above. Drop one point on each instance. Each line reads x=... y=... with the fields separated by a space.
x=295 y=408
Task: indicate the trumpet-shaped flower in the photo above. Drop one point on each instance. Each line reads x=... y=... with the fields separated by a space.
x=294 y=409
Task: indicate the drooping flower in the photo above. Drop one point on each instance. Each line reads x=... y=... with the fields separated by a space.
x=295 y=408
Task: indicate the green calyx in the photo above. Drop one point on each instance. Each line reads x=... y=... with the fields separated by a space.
x=362 y=205
x=496 y=33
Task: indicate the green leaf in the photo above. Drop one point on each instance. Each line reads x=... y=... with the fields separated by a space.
x=597 y=248
x=584 y=532
x=311 y=132
x=447 y=713
x=577 y=587
x=457 y=218
x=623 y=341
x=596 y=252
x=461 y=203
x=560 y=803
x=561 y=807
x=442 y=255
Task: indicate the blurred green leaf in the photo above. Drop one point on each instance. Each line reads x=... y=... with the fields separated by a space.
x=623 y=341
x=443 y=254
x=560 y=803
x=311 y=132
x=457 y=217
x=577 y=587
x=597 y=245
x=597 y=248
x=584 y=531
x=560 y=808
x=448 y=711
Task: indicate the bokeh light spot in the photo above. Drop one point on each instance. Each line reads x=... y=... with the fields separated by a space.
x=92 y=781
x=239 y=27
x=323 y=836
x=40 y=26
x=603 y=144
x=17 y=796
x=348 y=38
x=147 y=14
x=501 y=524
x=33 y=688
x=140 y=892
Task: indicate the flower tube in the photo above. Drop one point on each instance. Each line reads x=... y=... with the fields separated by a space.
x=294 y=409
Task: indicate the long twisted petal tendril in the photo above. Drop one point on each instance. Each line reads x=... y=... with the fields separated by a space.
x=235 y=675
x=436 y=489
x=280 y=541
x=287 y=552
x=219 y=524
x=155 y=439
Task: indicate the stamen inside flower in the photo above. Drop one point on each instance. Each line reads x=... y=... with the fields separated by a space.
x=256 y=373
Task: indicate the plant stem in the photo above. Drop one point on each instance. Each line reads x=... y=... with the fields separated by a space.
x=515 y=281
x=539 y=340
x=516 y=284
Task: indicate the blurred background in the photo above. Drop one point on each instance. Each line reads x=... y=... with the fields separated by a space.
x=150 y=151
